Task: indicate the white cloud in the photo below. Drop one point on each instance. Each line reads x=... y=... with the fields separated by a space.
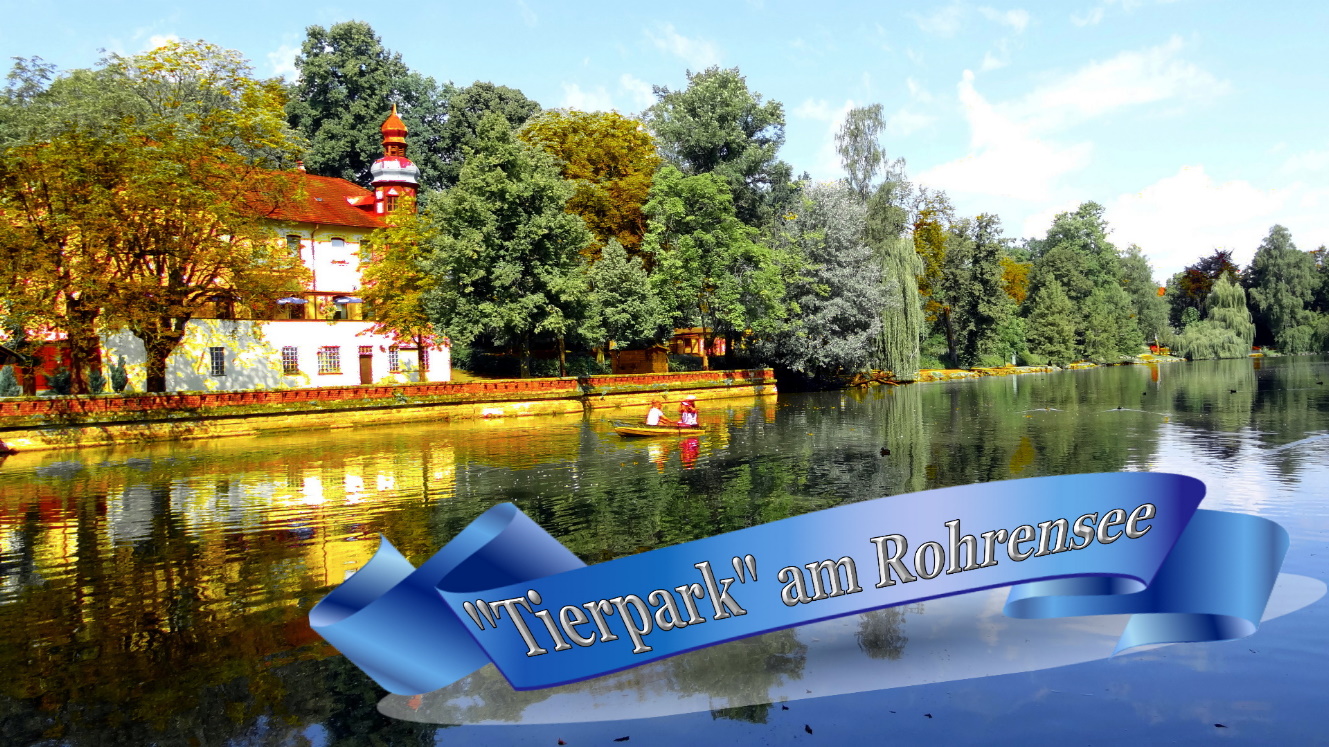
x=282 y=61
x=1094 y=15
x=1311 y=161
x=1006 y=159
x=528 y=16
x=597 y=100
x=638 y=90
x=916 y=91
x=697 y=52
x=997 y=58
x=826 y=161
x=906 y=122
x=1128 y=79
x=941 y=22
x=1090 y=18
x=160 y=40
x=1016 y=19
x=1185 y=216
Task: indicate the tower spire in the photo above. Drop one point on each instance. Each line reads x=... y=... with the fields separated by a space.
x=394 y=176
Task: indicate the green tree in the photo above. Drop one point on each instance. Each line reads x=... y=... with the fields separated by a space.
x=627 y=307
x=983 y=307
x=840 y=296
x=1050 y=321
x=504 y=252
x=139 y=199
x=716 y=125
x=610 y=159
x=466 y=109
x=394 y=282
x=859 y=144
x=1282 y=282
x=899 y=266
x=348 y=81
x=700 y=251
x=1137 y=277
x=1077 y=256
x=1190 y=288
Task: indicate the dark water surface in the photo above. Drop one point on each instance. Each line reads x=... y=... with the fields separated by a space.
x=158 y=594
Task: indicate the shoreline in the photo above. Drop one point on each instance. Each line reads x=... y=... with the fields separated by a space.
x=71 y=422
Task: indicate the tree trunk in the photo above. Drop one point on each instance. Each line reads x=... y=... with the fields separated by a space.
x=160 y=338
x=950 y=337
x=562 y=358
x=421 y=358
x=83 y=343
x=525 y=357
x=729 y=350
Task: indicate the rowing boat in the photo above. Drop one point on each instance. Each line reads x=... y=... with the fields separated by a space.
x=638 y=429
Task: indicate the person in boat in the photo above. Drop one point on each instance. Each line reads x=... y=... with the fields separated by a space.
x=687 y=412
x=656 y=415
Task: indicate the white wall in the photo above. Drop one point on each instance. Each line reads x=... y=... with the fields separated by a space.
x=252 y=353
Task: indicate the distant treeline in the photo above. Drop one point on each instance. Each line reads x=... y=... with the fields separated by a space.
x=561 y=230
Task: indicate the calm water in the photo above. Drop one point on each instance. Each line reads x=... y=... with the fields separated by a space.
x=157 y=595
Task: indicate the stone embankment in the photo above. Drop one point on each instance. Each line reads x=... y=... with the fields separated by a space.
x=39 y=423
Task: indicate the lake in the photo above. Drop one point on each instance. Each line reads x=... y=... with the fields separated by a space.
x=159 y=594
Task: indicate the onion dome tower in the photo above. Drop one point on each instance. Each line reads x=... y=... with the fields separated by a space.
x=393 y=175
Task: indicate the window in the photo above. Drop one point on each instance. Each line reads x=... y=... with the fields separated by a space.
x=338 y=242
x=218 y=359
x=295 y=311
x=293 y=242
x=329 y=360
x=290 y=360
x=394 y=359
x=390 y=203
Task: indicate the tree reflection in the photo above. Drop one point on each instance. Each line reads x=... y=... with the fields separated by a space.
x=159 y=594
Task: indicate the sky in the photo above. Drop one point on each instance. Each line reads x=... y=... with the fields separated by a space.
x=1197 y=124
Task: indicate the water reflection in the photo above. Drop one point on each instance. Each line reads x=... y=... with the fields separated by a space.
x=943 y=640
x=159 y=593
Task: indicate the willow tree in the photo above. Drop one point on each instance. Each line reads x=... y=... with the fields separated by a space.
x=900 y=266
x=1227 y=329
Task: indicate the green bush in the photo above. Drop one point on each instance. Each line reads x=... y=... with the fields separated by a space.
x=678 y=363
x=8 y=383
x=1027 y=358
x=58 y=381
x=926 y=360
x=96 y=381
x=119 y=376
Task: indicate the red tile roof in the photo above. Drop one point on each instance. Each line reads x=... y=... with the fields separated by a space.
x=325 y=203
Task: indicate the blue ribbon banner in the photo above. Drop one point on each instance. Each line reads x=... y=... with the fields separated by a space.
x=504 y=590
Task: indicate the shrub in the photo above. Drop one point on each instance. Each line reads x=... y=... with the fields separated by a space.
x=58 y=381
x=119 y=376
x=8 y=383
x=96 y=381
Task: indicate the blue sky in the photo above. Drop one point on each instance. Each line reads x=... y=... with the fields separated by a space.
x=1197 y=124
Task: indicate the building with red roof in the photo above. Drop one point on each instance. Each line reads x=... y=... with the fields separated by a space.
x=324 y=334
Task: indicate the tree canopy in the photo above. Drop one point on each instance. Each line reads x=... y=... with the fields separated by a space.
x=348 y=82
x=504 y=253
x=610 y=159
x=716 y=125
x=136 y=198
